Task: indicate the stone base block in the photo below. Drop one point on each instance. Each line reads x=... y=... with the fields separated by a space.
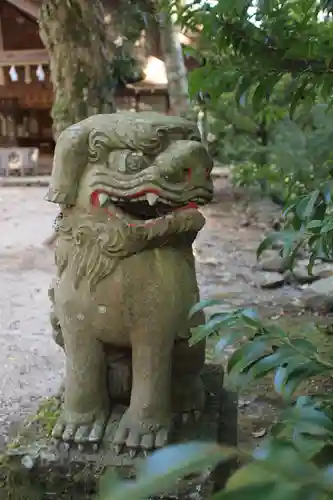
x=35 y=468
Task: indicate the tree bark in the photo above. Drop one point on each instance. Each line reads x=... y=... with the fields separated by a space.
x=75 y=34
x=174 y=64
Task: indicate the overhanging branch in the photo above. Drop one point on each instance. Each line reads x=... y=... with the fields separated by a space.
x=269 y=53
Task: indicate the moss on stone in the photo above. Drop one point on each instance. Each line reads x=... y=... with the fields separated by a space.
x=47 y=414
x=34 y=468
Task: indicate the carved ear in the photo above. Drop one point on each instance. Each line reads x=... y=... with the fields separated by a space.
x=69 y=162
x=84 y=142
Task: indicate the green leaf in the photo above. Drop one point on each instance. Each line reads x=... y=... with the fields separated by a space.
x=326 y=227
x=304 y=345
x=251 y=318
x=314 y=224
x=280 y=456
x=242 y=87
x=275 y=332
x=315 y=420
x=305 y=207
x=267 y=491
x=267 y=243
x=211 y=327
x=200 y=306
x=326 y=190
x=298 y=94
x=109 y=481
x=183 y=459
x=260 y=491
x=287 y=237
x=251 y=474
x=161 y=470
x=246 y=355
x=226 y=340
x=260 y=94
x=269 y=363
x=308 y=445
x=279 y=469
x=288 y=378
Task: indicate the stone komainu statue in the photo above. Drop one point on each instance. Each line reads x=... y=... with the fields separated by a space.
x=128 y=185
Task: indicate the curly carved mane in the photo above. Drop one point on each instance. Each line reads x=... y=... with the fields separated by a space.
x=87 y=249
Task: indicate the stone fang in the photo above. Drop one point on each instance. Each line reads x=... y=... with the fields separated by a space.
x=151 y=198
x=103 y=199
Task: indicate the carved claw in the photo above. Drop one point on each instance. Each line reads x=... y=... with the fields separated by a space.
x=138 y=435
x=80 y=433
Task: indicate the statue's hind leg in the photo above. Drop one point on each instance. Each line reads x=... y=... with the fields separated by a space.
x=86 y=403
x=188 y=392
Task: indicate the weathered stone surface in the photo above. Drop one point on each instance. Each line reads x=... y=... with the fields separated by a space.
x=301 y=274
x=37 y=468
x=272 y=261
x=277 y=245
x=319 y=295
x=129 y=185
x=270 y=279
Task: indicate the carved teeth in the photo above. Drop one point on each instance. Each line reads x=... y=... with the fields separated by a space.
x=151 y=198
x=103 y=199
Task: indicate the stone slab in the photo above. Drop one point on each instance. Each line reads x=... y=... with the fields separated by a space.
x=37 y=466
x=27 y=180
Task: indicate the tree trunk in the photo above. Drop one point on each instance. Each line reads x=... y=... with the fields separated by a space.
x=174 y=64
x=75 y=34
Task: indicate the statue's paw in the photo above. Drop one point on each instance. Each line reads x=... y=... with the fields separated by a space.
x=70 y=429
x=189 y=398
x=135 y=434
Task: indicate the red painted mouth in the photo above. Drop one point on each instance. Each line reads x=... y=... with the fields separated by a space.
x=95 y=202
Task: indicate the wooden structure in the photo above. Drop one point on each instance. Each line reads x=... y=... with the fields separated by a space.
x=26 y=93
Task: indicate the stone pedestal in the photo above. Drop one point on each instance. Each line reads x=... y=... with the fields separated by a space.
x=35 y=468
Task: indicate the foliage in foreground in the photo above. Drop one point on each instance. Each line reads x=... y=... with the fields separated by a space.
x=296 y=460
x=275 y=471
x=309 y=224
x=284 y=174
x=266 y=64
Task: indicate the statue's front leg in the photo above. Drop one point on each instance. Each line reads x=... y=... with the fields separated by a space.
x=179 y=226
x=86 y=403
x=146 y=423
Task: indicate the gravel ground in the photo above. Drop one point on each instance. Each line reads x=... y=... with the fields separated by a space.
x=31 y=365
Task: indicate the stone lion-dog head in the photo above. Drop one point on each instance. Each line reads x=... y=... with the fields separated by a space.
x=136 y=166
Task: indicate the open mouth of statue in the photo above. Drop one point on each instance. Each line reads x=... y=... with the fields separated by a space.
x=143 y=205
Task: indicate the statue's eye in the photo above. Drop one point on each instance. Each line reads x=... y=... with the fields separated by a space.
x=136 y=162
x=180 y=175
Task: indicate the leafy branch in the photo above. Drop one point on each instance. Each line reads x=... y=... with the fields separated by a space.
x=286 y=473
x=263 y=349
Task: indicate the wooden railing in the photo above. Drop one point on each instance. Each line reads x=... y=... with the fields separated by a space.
x=10 y=58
